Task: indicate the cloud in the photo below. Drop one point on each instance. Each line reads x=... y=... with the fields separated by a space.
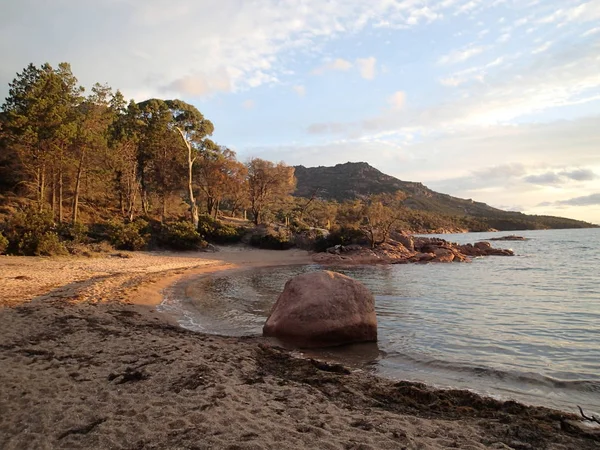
x=560 y=177
x=397 y=100
x=548 y=178
x=591 y=32
x=299 y=89
x=199 y=85
x=366 y=66
x=580 y=175
x=516 y=90
x=457 y=56
x=585 y=200
x=248 y=104
x=179 y=45
x=542 y=48
x=476 y=73
x=585 y=12
x=338 y=64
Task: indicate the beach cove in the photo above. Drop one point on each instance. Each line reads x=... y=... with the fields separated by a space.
x=87 y=362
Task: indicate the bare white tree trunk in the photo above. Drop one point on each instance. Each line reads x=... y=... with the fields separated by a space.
x=192 y=200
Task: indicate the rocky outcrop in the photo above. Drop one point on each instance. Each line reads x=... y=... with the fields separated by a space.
x=321 y=309
x=484 y=249
x=511 y=237
x=408 y=250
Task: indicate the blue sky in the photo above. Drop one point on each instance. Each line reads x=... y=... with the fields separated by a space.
x=495 y=100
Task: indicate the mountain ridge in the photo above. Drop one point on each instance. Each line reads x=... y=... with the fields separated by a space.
x=355 y=180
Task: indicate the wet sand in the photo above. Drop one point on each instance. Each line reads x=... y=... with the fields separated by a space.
x=86 y=362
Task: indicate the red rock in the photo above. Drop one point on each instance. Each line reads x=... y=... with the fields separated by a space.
x=321 y=309
x=443 y=255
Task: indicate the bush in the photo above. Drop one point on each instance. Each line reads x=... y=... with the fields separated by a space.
x=128 y=236
x=180 y=236
x=77 y=233
x=271 y=239
x=340 y=236
x=307 y=240
x=215 y=231
x=3 y=244
x=49 y=244
x=32 y=233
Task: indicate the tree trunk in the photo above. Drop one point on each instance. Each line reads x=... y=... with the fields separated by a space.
x=41 y=187
x=53 y=202
x=60 y=190
x=256 y=213
x=192 y=201
x=217 y=207
x=77 y=188
x=163 y=216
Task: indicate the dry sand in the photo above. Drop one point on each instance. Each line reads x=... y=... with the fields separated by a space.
x=86 y=363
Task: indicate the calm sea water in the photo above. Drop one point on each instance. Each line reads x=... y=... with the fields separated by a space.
x=524 y=327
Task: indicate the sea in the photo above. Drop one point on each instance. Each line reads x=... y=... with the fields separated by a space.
x=524 y=328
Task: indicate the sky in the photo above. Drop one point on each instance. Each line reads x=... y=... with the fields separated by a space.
x=493 y=100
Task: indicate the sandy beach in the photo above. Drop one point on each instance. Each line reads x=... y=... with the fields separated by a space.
x=87 y=363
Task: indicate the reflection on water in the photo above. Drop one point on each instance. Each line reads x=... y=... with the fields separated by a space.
x=525 y=327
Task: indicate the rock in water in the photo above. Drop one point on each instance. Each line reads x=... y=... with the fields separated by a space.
x=322 y=309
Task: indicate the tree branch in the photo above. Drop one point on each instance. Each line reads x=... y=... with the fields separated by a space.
x=589 y=419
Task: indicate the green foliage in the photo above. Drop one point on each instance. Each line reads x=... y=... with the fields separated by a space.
x=128 y=236
x=272 y=239
x=32 y=233
x=76 y=233
x=218 y=232
x=49 y=244
x=340 y=236
x=3 y=244
x=180 y=236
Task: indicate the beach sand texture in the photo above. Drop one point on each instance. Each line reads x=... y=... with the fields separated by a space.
x=87 y=363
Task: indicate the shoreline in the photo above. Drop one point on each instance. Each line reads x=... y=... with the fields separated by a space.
x=91 y=364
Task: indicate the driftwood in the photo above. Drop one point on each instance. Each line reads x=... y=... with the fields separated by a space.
x=590 y=419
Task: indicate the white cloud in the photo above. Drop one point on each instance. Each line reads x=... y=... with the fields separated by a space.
x=397 y=100
x=188 y=46
x=504 y=38
x=546 y=81
x=471 y=74
x=338 y=64
x=585 y=12
x=591 y=32
x=366 y=66
x=300 y=90
x=542 y=48
x=248 y=104
x=200 y=85
x=462 y=55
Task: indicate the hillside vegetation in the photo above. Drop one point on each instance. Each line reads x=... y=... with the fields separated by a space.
x=351 y=181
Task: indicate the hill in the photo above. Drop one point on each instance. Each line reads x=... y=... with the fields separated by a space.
x=357 y=180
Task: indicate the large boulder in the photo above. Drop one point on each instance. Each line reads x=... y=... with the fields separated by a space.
x=321 y=309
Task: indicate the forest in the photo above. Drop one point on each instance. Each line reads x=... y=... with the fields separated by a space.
x=81 y=171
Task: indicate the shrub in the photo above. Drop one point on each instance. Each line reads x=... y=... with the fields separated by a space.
x=77 y=232
x=49 y=244
x=307 y=240
x=272 y=239
x=3 y=244
x=128 y=236
x=218 y=232
x=340 y=236
x=32 y=233
x=180 y=236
